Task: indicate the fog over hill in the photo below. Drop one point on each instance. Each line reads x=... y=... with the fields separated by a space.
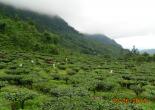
x=70 y=38
x=121 y=20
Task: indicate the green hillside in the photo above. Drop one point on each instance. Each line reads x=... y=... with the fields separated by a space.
x=20 y=35
x=45 y=64
x=69 y=37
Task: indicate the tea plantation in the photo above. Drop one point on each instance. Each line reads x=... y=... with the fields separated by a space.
x=33 y=81
x=47 y=65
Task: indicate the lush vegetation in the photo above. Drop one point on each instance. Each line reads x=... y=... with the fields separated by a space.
x=55 y=82
x=69 y=36
x=37 y=72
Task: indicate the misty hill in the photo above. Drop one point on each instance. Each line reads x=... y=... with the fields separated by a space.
x=69 y=38
x=149 y=51
x=51 y=23
x=103 y=39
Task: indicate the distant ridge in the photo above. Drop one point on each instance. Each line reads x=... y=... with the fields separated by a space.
x=149 y=51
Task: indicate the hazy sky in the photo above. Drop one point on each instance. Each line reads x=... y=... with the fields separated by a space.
x=129 y=22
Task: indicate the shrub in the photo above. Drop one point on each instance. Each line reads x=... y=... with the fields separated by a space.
x=12 y=79
x=50 y=38
x=75 y=80
x=27 y=81
x=3 y=84
x=43 y=87
x=66 y=78
x=101 y=87
x=71 y=72
x=18 y=71
x=13 y=66
x=56 y=92
x=56 y=76
x=151 y=96
x=137 y=89
x=65 y=103
x=126 y=83
x=127 y=77
x=69 y=92
x=76 y=69
x=142 y=83
x=2 y=27
x=18 y=96
x=86 y=68
x=61 y=67
x=2 y=65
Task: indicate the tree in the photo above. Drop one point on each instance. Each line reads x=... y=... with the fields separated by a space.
x=101 y=86
x=126 y=83
x=134 y=51
x=137 y=89
x=2 y=27
x=153 y=57
x=145 y=54
x=50 y=38
x=18 y=97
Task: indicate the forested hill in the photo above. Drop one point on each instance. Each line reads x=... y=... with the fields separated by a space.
x=43 y=32
x=103 y=39
x=50 y=23
x=149 y=51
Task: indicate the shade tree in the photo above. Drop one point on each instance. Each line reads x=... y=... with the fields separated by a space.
x=18 y=97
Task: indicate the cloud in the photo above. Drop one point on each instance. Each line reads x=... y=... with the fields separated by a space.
x=114 y=18
x=141 y=42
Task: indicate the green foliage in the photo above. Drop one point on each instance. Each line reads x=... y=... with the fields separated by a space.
x=27 y=81
x=2 y=65
x=45 y=56
x=65 y=103
x=137 y=89
x=62 y=67
x=126 y=83
x=101 y=86
x=71 y=72
x=18 y=96
x=50 y=38
x=27 y=30
x=3 y=84
x=18 y=71
x=12 y=79
x=66 y=78
x=82 y=88
x=2 y=27
x=56 y=76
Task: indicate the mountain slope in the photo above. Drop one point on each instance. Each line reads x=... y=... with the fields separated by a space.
x=44 y=22
x=21 y=35
x=108 y=43
x=149 y=51
x=69 y=37
x=103 y=39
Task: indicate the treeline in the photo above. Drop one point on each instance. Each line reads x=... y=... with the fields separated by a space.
x=135 y=55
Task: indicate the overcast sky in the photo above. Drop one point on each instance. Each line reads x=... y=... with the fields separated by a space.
x=129 y=22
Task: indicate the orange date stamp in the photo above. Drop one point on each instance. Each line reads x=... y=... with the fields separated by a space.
x=127 y=100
